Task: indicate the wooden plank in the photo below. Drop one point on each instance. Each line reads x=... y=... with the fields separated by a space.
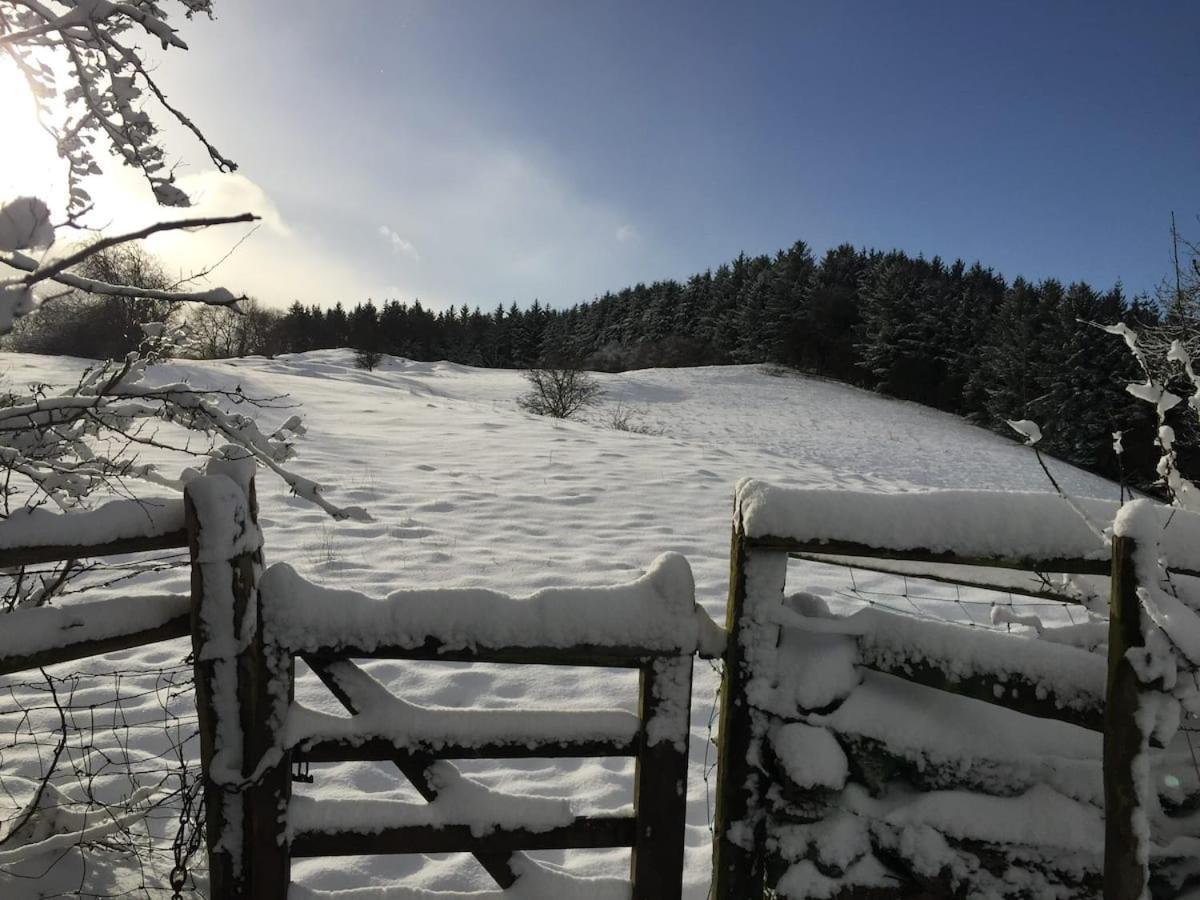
x=383 y=750
x=178 y=627
x=585 y=655
x=28 y=556
x=660 y=781
x=849 y=548
x=1125 y=872
x=588 y=832
x=737 y=868
x=412 y=766
x=1015 y=692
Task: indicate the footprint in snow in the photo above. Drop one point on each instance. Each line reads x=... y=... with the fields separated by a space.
x=408 y=534
x=576 y=500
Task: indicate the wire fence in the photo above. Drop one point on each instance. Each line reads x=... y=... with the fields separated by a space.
x=974 y=607
x=945 y=601
x=100 y=787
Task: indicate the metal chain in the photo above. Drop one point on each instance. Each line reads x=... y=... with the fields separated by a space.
x=188 y=836
x=178 y=880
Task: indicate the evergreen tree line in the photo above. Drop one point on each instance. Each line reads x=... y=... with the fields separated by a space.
x=952 y=336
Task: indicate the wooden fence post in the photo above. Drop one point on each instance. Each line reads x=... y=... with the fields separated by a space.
x=244 y=796
x=1125 y=873
x=737 y=858
x=266 y=687
x=660 y=779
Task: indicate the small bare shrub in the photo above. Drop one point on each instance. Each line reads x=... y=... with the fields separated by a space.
x=559 y=392
x=625 y=418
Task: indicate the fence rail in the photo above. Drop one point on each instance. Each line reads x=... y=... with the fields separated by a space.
x=60 y=643
x=40 y=637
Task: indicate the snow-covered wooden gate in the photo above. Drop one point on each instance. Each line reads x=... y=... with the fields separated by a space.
x=252 y=624
x=854 y=751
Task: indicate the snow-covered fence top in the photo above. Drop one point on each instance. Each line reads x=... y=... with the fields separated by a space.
x=42 y=635
x=656 y=614
x=123 y=526
x=46 y=635
x=1032 y=530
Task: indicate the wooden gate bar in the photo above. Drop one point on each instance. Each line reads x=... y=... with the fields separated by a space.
x=414 y=767
x=584 y=833
x=660 y=781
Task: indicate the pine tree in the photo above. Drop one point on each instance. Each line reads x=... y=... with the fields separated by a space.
x=787 y=297
x=829 y=317
x=1013 y=367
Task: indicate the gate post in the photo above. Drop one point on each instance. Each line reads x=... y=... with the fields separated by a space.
x=739 y=839
x=246 y=773
x=1125 y=869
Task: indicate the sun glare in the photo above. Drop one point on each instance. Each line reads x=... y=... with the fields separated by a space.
x=28 y=161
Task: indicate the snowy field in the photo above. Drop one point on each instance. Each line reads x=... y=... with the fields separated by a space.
x=467 y=490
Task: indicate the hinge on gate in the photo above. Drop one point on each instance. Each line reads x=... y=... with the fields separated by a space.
x=300 y=772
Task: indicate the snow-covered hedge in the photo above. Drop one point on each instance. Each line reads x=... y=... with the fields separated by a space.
x=891 y=783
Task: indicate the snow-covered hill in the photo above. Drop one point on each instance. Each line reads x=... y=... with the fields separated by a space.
x=465 y=489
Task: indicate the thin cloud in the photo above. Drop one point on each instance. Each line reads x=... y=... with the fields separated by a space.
x=399 y=244
x=627 y=233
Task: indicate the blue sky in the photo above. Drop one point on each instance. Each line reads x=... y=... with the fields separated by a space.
x=486 y=152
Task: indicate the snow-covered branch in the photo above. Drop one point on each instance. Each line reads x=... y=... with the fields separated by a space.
x=51 y=270
x=46 y=38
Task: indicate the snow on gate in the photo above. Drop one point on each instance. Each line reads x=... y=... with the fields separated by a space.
x=879 y=755
x=251 y=625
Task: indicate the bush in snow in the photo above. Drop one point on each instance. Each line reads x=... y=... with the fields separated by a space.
x=560 y=392
x=620 y=417
x=94 y=325
x=218 y=332
x=367 y=359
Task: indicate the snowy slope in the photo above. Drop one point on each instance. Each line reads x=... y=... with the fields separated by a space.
x=467 y=490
